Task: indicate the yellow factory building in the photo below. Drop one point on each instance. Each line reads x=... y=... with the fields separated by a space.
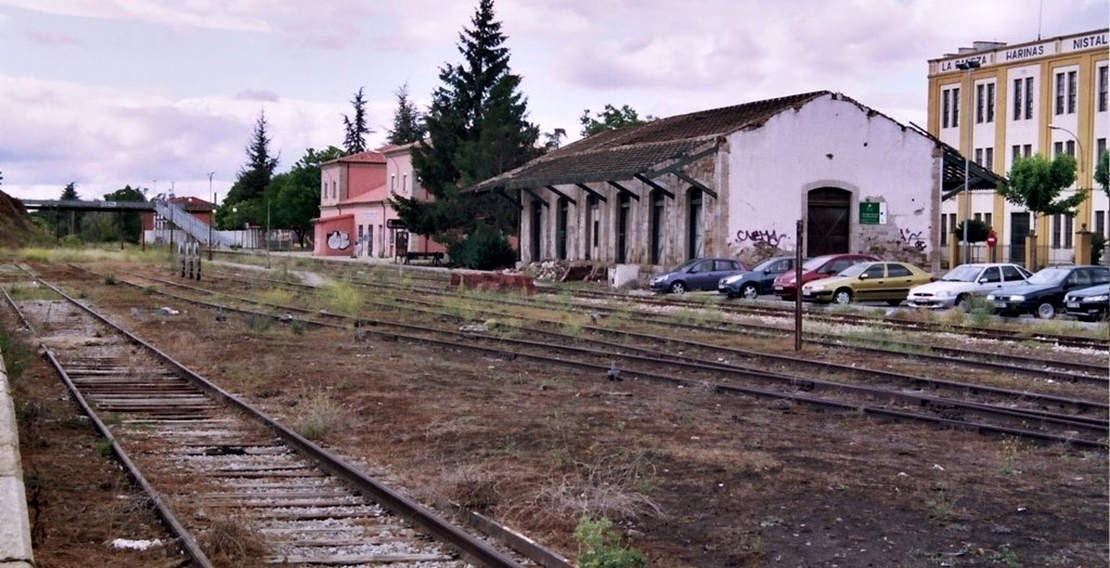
x=996 y=101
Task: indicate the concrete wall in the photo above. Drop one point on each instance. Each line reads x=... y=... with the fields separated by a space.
x=15 y=527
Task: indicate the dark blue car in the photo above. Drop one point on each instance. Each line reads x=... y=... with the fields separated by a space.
x=759 y=280
x=1043 y=293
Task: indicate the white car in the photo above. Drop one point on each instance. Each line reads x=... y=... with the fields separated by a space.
x=964 y=281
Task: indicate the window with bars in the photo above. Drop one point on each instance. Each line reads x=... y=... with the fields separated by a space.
x=988 y=158
x=1059 y=93
x=990 y=102
x=950 y=111
x=1056 y=226
x=979 y=156
x=1100 y=222
x=1102 y=88
x=1069 y=230
x=980 y=103
x=1072 y=91
x=1028 y=98
x=1017 y=99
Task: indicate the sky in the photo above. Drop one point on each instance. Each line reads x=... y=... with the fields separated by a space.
x=158 y=94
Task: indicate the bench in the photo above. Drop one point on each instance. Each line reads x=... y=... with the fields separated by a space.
x=436 y=257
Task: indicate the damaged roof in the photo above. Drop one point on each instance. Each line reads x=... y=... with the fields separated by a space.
x=621 y=154
x=646 y=149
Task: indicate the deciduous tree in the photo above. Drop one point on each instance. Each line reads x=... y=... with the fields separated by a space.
x=1102 y=172
x=611 y=118
x=1036 y=183
x=296 y=194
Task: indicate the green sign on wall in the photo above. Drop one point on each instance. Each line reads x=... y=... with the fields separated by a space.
x=870 y=213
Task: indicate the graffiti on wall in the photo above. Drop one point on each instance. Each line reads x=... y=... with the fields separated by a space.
x=339 y=240
x=913 y=238
x=772 y=237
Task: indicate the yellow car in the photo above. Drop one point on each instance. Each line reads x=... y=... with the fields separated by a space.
x=868 y=282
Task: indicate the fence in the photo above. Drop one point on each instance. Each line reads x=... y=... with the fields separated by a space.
x=1045 y=256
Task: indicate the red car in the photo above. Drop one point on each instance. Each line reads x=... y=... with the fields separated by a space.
x=817 y=268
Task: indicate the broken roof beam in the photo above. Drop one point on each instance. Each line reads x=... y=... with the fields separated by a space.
x=681 y=162
x=552 y=189
x=704 y=188
x=623 y=189
x=654 y=185
x=535 y=196
x=592 y=192
x=511 y=199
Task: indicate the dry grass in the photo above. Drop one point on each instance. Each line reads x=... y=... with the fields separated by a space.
x=230 y=542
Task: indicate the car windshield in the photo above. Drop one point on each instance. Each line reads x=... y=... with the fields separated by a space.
x=1049 y=276
x=965 y=273
x=854 y=270
x=686 y=266
x=815 y=263
x=765 y=264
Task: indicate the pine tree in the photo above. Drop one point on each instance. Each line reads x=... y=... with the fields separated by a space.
x=356 y=128
x=478 y=128
x=408 y=125
x=244 y=201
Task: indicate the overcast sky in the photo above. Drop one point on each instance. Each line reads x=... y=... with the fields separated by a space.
x=157 y=93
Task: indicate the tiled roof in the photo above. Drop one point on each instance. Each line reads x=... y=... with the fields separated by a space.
x=369 y=157
x=620 y=154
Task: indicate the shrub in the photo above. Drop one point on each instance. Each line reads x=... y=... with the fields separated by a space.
x=484 y=249
x=602 y=546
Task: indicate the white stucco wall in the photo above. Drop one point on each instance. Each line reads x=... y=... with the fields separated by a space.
x=831 y=143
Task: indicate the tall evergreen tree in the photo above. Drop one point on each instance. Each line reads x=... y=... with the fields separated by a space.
x=69 y=193
x=408 y=123
x=478 y=128
x=356 y=127
x=244 y=201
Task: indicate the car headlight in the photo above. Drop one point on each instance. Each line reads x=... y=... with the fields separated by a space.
x=657 y=279
x=1017 y=298
x=944 y=294
x=1102 y=298
x=814 y=288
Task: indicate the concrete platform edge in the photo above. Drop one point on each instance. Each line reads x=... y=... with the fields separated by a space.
x=15 y=530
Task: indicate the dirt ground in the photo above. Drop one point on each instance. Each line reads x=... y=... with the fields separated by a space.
x=689 y=477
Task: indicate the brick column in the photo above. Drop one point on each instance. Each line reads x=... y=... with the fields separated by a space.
x=1083 y=245
x=953 y=250
x=1031 y=261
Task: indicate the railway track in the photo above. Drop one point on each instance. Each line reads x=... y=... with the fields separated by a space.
x=1041 y=368
x=870 y=391
x=219 y=470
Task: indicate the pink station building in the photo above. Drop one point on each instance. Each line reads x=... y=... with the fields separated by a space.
x=356 y=219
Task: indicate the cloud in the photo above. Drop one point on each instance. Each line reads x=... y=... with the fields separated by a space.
x=238 y=15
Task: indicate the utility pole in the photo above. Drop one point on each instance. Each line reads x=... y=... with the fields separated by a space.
x=211 y=214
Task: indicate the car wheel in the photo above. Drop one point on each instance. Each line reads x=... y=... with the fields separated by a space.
x=749 y=291
x=960 y=300
x=842 y=296
x=893 y=302
x=1045 y=310
x=678 y=287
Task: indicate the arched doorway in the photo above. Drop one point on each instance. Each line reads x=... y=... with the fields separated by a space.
x=693 y=224
x=828 y=222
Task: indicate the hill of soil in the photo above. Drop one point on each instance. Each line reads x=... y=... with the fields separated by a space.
x=16 y=228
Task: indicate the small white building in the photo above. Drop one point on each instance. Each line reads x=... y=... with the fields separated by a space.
x=736 y=181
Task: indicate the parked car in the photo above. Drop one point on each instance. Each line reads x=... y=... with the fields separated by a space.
x=759 y=280
x=1043 y=293
x=698 y=274
x=1089 y=304
x=816 y=268
x=963 y=282
x=871 y=281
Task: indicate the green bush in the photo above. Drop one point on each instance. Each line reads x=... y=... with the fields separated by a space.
x=484 y=249
x=602 y=546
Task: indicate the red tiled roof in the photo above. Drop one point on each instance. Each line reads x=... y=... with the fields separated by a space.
x=368 y=157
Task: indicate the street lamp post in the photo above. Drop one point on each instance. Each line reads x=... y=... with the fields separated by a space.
x=967 y=66
x=211 y=214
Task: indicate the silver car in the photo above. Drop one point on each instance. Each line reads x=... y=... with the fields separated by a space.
x=963 y=282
